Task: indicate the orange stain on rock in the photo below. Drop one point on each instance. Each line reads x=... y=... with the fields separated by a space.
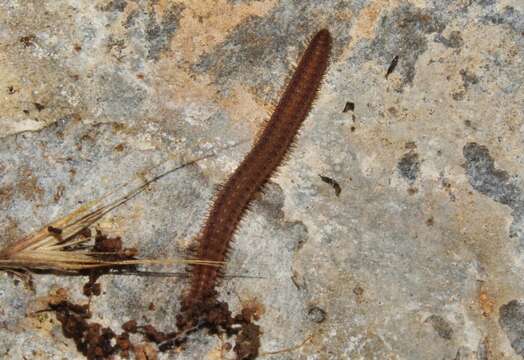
x=242 y=107
x=366 y=22
x=203 y=24
x=487 y=304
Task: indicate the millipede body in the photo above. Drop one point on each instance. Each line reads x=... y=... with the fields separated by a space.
x=268 y=152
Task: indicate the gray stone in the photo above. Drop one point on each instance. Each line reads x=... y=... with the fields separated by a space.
x=420 y=256
x=512 y=322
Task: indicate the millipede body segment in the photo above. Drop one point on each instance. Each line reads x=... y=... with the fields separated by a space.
x=255 y=170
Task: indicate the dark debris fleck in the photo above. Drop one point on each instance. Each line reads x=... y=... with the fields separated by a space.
x=392 y=66
x=409 y=166
x=350 y=106
x=316 y=314
x=332 y=182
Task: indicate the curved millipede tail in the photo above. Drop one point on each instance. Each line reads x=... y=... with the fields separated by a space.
x=254 y=171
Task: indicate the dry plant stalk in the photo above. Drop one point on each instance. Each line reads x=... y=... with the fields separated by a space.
x=62 y=247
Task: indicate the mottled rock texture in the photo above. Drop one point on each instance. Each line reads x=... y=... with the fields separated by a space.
x=420 y=256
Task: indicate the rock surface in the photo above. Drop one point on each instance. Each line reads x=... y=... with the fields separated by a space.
x=420 y=256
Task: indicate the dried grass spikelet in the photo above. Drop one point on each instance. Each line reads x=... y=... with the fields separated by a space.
x=61 y=247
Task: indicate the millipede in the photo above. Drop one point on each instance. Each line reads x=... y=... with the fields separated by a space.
x=267 y=154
